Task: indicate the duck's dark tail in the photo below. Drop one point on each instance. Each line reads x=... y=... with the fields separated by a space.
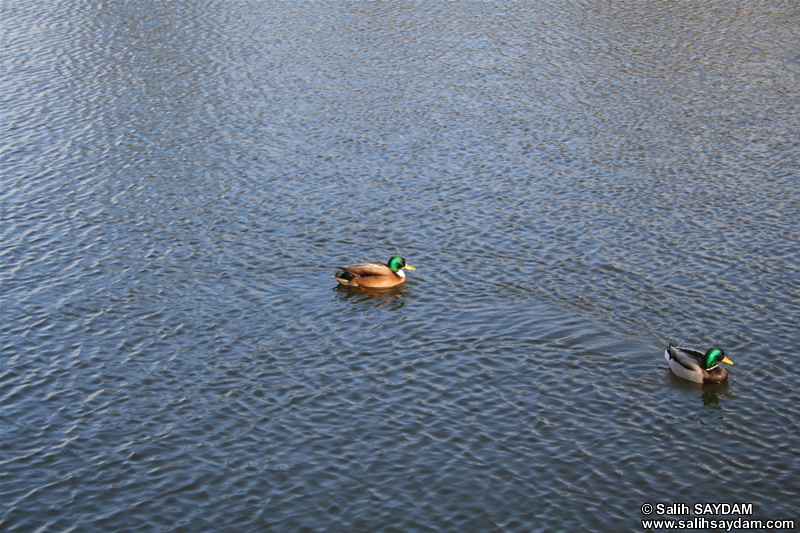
x=345 y=275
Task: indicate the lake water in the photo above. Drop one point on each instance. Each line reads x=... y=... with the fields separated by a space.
x=577 y=183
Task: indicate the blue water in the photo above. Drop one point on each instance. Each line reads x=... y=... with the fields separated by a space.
x=577 y=183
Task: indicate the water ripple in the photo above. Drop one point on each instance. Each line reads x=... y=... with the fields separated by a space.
x=577 y=185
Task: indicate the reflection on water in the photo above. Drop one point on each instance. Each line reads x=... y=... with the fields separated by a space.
x=393 y=297
x=712 y=398
x=578 y=184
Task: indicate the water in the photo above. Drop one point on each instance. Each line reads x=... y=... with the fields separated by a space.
x=577 y=183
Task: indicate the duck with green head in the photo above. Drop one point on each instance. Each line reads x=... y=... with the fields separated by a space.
x=374 y=275
x=696 y=366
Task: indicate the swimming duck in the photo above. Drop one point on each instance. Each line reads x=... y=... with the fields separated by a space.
x=374 y=275
x=696 y=366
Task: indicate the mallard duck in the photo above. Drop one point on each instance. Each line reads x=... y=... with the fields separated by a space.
x=374 y=275
x=696 y=366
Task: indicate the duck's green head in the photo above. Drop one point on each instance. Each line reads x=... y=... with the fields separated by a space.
x=715 y=356
x=396 y=263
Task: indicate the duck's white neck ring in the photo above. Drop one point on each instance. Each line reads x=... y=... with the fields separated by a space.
x=401 y=273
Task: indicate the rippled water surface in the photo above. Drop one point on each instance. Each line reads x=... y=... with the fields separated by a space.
x=577 y=183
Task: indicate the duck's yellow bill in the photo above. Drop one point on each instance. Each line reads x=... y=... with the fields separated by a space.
x=726 y=360
x=409 y=267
